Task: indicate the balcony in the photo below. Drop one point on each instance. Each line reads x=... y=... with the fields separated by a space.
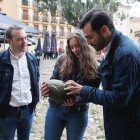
x=61 y=33
x=25 y=2
x=54 y=20
x=45 y=19
x=35 y=18
x=61 y=21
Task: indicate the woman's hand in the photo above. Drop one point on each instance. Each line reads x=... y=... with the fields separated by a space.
x=70 y=102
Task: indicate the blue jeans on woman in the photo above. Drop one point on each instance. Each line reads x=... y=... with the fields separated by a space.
x=59 y=117
x=20 y=120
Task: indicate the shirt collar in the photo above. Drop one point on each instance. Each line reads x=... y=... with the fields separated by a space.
x=106 y=50
x=12 y=55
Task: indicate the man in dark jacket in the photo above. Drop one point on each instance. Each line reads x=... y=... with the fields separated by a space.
x=19 y=86
x=120 y=77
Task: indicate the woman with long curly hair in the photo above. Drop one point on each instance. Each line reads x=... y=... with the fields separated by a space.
x=78 y=63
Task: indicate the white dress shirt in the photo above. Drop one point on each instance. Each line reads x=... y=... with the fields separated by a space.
x=21 y=86
x=106 y=51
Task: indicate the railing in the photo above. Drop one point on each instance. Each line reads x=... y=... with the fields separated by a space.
x=61 y=21
x=54 y=20
x=35 y=18
x=61 y=33
x=45 y=19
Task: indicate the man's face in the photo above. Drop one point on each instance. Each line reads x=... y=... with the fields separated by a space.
x=18 y=42
x=93 y=38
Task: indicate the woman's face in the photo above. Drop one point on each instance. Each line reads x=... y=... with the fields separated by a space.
x=74 y=46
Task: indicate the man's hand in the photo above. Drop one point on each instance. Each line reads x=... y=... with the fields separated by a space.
x=44 y=89
x=73 y=87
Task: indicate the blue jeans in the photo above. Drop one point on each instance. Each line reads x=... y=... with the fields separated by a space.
x=16 y=119
x=57 y=118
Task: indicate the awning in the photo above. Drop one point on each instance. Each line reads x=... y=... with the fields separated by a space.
x=6 y=21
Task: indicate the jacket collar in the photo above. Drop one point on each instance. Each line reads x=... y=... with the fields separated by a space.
x=114 y=45
x=6 y=56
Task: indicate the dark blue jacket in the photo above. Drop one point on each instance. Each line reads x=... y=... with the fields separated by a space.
x=6 y=79
x=120 y=76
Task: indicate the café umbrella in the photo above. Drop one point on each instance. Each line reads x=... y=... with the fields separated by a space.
x=38 y=49
x=46 y=44
x=53 y=42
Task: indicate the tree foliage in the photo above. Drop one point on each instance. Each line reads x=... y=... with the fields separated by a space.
x=73 y=10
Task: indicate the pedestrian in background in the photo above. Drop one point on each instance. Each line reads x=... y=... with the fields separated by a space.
x=38 y=55
x=19 y=88
x=79 y=64
x=120 y=77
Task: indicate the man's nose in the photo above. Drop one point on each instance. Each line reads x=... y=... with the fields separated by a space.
x=89 y=42
x=25 y=41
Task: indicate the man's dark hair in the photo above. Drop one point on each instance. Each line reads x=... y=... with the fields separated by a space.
x=8 y=33
x=97 y=18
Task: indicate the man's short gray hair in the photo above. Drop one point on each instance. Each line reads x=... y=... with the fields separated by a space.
x=8 y=33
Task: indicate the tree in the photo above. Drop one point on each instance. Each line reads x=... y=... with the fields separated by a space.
x=73 y=10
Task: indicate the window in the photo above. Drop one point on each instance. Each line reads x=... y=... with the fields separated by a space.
x=53 y=28
x=35 y=16
x=45 y=18
x=25 y=2
x=25 y=15
x=69 y=29
x=61 y=31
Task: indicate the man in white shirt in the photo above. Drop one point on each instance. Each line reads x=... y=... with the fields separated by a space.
x=19 y=88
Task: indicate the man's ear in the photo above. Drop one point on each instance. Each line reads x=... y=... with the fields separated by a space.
x=104 y=30
x=7 y=40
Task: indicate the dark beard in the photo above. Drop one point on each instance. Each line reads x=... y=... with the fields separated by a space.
x=101 y=43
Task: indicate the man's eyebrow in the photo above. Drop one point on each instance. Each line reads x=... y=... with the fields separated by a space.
x=22 y=37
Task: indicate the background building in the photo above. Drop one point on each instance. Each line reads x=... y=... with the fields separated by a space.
x=126 y=19
x=26 y=11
